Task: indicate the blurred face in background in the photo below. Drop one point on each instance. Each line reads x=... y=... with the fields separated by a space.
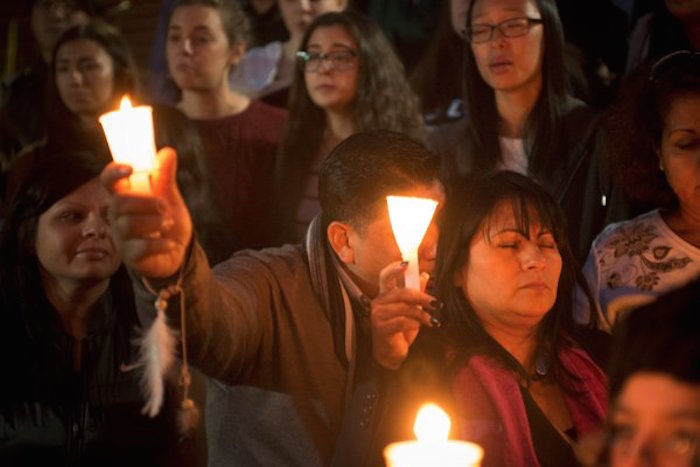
x=50 y=18
x=509 y=63
x=298 y=14
x=333 y=84
x=85 y=77
x=73 y=241
x=656 y=421
x=198 y=51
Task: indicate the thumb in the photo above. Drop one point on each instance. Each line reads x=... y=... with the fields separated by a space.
x=164 y=180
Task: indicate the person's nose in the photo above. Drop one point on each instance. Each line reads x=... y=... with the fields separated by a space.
x=497 y=40
x=427 y=252
x=532 y=257
x=305 y=6
x=76 y=77
x=95 y=226
x=187 y=46
x=325 y=65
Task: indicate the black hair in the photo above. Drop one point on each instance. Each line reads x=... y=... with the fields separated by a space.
x=366 y=167
x=661 y=337
x=466 y=213
x=51 y=177
x=544 y=121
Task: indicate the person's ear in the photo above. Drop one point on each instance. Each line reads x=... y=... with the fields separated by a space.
x=657 y=150
x=236 y=52
x=339 y=238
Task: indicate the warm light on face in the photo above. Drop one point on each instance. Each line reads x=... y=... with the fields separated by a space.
x=410 y=218
x=129 y=133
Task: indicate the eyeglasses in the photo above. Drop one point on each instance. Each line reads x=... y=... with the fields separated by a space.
x=675 y=61
x=514 y=27
x=340 y=60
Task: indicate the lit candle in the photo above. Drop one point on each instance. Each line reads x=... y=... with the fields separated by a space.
x=410 y=218
x=432 y=447
x=129 y=133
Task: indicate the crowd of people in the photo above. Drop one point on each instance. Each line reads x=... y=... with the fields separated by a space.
x=560 y=274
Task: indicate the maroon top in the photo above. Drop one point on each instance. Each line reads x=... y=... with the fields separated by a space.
x=239 y=160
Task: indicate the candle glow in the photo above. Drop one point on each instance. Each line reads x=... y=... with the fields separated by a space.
x=129 y=133
x=410 y=218
x=432 y=447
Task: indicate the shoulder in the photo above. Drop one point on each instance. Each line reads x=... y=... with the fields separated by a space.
x=644 y=225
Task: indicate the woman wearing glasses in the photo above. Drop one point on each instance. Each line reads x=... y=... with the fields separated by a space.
x=520 y=115
x=654 y=145
x=206 y=38
x=348 y=80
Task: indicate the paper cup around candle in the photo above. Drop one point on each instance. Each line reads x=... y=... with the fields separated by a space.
x=129 y=133
x=410 y=218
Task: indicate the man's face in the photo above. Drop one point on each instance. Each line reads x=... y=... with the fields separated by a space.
x=374 y=246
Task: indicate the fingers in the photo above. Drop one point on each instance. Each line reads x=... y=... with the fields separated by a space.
x=164 y=179
x=114 y=177
x=383 y=313
x=392 y=276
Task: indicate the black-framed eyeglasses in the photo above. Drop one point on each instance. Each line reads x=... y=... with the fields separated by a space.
x=514 y=27
x=341 y=59
x=673 y=61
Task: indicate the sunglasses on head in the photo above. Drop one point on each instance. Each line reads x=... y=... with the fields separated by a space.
x=673 y=62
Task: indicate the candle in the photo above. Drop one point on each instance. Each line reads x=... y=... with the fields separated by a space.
x=410 y=218
x=129 y=133
x=432 y=447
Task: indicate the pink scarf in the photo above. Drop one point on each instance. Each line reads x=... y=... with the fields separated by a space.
x=491 y=410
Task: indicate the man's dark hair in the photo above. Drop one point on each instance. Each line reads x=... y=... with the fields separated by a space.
x=362 y=170
x=662 y=337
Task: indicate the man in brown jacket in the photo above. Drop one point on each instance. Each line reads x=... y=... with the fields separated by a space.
x=288 y=335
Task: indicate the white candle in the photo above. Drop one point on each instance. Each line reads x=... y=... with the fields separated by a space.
x=410 y=218
x=129 y=133
x=432 y=447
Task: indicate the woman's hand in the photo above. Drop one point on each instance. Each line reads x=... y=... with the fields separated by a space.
x=150 y=231
x=397 y=315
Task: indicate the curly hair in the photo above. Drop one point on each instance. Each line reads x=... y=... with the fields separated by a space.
x=384 y=99
x=634 y=125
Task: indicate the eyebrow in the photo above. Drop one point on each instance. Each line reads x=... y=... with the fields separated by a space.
x=520 y=232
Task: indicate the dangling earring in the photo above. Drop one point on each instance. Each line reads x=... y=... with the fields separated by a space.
x=661 y=165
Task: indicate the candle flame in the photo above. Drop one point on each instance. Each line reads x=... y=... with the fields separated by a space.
x=410 y=218
x=432 y=424
x=125 y=103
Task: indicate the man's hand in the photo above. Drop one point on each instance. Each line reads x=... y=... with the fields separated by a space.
x=397 y=315
x=150 y=231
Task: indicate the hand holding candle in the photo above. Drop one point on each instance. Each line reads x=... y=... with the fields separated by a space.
x=410 y=218
x=129 y=133
x=432 y=447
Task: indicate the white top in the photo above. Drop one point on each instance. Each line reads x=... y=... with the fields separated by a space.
x=513 y=152
x=633 y=262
